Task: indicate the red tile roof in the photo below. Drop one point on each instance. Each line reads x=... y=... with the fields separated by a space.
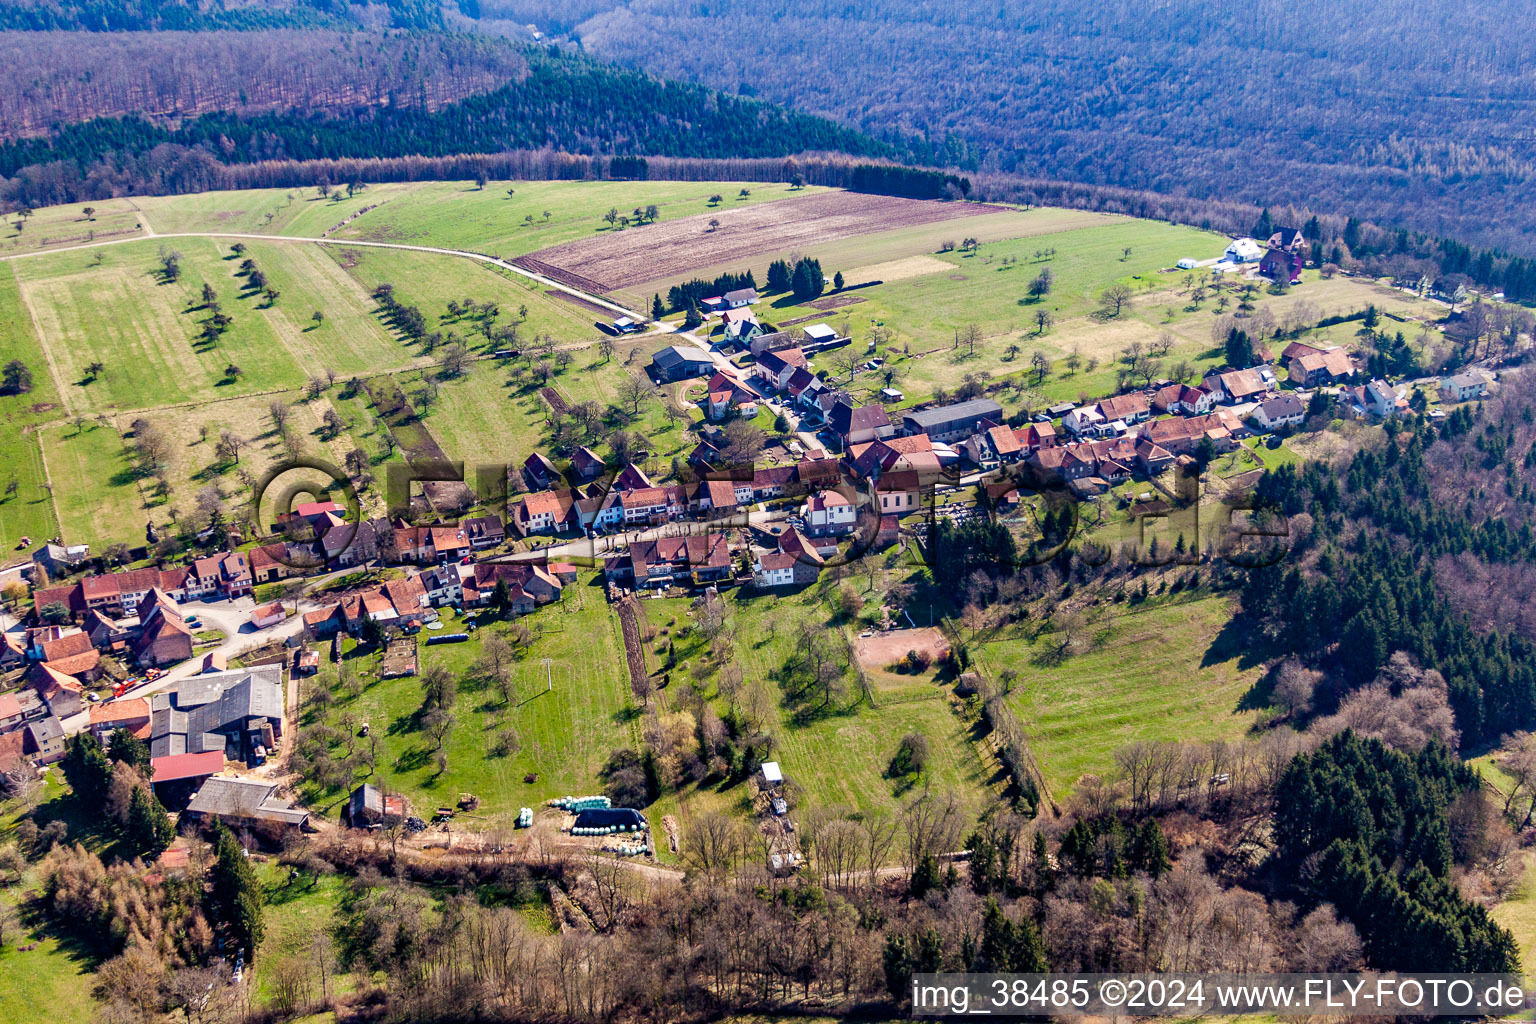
x=186 y=766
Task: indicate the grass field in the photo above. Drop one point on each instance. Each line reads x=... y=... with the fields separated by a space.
x=566 y=733
x=56 y=227
x=273 y=211
x=144 y=330
x=837 y=755
x=430 y=281
x=28 y=512
x=100 y=492
x=1171 y=671
x=459 y=216
x=482 y=417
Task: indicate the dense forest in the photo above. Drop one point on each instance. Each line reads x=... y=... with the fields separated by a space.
x=1413 y=115
x=213 y=15
x=61 y=78
x=1421 y=544
x=563 y=102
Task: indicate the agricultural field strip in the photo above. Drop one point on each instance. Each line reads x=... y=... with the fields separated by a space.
x=705 y=239
x=464 y=253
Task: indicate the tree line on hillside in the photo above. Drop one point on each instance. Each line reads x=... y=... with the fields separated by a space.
x=1400 y=116
x=61 y=78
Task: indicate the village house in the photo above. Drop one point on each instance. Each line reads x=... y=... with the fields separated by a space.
x=60 y=693
x=668 y=560
x=1281 y=411
x=1464 y=386
x=1374 y=400
x=796 y=562
x=651 y=505
x=164 y=637
x=775 y=368
x=1035 y=436
x=44 y=740
x=540 y=472
x=1129 y=408
x=1310 y=365
x=1183 y=400
x=587 y=464
x=68 y=651
x=12 y=714
x=1083 y=420
x=895 y=455
x=542 y=512
x=899 y=493
x=484 y=532
x=994 y=447
x=858 y=424
x=730 y=395
x=1285 y=254
x=829 y=513
x=1246 y=385
x=771 y=481
x=1183 y=435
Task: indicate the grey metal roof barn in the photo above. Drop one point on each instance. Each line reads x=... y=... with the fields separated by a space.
x=245 y=799
x=218 y=711
x=948 y=419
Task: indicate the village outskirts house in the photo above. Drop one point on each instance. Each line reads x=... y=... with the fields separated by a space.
x=1282 y=411
x=1464 y=386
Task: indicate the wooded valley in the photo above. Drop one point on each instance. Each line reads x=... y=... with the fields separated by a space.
x=1402 y=115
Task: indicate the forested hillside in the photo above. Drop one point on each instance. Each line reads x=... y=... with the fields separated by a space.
x=60 y=78
x=205 y=15
x=1422 y=544
x=1414 y=114
x=563 y=102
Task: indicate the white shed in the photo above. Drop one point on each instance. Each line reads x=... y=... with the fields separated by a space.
x=771 y=773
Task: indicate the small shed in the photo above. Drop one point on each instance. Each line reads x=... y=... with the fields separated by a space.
x=772 y=774
x=625 y=325
x=891 y=395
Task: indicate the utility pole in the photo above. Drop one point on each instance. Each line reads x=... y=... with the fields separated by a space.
x=549 y=679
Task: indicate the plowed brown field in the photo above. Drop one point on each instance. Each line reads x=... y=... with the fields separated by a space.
x=620 y=259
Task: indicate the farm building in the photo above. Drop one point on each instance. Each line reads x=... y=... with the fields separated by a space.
x=368 y=805
x=952 y=422
x=625 y=325
x=237 y=713
x=244 y=802
x=177 y=776
x=676 y=362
